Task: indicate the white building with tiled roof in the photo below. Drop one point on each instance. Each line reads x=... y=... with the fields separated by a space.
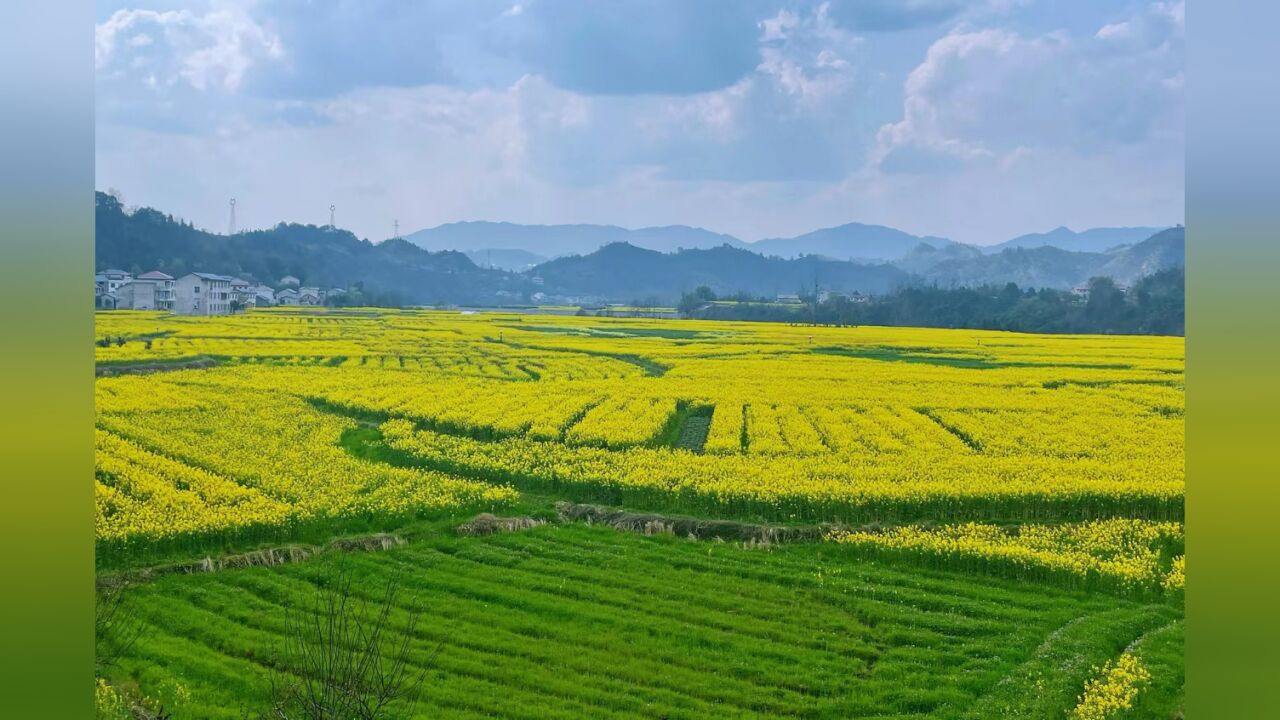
x=202 y=294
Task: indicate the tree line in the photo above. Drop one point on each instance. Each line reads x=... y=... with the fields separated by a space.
x=1155 y=305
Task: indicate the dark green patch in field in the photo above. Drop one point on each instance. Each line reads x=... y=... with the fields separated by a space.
x=686 y=428
x=964 y=437
x=693 y=433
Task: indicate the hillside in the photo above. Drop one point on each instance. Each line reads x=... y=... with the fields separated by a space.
x=924 y=257
x=1166 y=249
x=559 y=240
x=1041 y=267
x=1046 y=266
x=853 y=241
x=622 y=270
x=147 y=239
x=1092 y=240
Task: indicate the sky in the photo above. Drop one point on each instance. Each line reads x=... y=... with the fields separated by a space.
x=977 y=120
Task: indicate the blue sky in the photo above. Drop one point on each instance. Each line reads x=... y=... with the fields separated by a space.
x=971 y=119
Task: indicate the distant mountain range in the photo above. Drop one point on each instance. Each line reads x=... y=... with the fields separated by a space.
x=503 y=263
x=550 y=241
x=513 y=246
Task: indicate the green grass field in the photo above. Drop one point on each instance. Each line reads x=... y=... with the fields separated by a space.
x=574 y=621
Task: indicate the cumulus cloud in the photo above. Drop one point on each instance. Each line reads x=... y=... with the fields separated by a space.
x=211 y=50
x=757 y=117
x=990 y=95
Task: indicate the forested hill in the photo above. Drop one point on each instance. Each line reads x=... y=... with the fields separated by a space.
x=1153 y=306
x=147 y=239
x=1046 y=266
x=625 y=271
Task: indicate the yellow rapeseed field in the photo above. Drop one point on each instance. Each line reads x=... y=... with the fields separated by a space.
x=851 y=424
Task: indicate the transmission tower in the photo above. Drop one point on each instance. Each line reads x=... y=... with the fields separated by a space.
x=332 y=210
x=396 y=223
x=231 y=226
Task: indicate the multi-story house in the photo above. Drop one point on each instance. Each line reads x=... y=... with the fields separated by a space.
x=202 y=294
x=164 y=288
x=137 y=294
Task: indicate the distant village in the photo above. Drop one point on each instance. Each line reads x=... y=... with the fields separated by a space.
x=199 y=293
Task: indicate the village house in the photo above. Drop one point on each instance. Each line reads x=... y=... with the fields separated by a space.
x=288 y=280
x=105 y=285
x=287 y=296
x=310 y=296
x=119 y=290
x=242 y=293
x=263 y=295
x=137 y=294
x=163 y=288
x=202 y=294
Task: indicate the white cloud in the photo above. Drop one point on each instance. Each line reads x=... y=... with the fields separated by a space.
x=211 y=50
x=1000 y=132
x=808 y=56
x=1114 y=30
x=982 y=95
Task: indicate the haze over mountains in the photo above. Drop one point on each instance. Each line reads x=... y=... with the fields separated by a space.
x=551 y=241
x=1093 y=240
x=503 y=263
x=517 y=247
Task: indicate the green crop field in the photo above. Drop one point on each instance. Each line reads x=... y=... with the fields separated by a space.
x=572 y=622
